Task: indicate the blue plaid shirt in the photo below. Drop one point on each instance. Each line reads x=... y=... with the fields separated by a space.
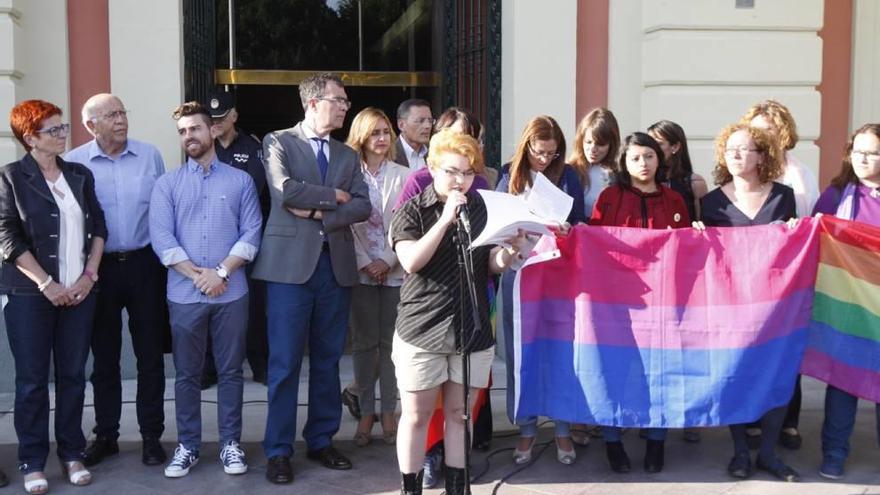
x=204 y=218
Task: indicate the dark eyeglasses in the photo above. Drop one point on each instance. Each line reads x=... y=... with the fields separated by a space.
x=58 y=131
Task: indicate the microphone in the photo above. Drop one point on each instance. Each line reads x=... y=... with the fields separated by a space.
x=464 y=219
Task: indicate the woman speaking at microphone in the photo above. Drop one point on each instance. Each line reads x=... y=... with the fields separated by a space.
x=434 y=322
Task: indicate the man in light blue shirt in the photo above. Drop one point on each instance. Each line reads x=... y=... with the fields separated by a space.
x=205 y=226
x=131 y=278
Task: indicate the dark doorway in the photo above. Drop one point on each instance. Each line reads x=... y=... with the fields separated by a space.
x=444 y=51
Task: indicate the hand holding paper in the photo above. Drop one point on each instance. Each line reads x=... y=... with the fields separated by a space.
x=543 y=208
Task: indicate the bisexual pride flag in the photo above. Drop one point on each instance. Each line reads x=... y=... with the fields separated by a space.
x=664 y=328
x=844 y=344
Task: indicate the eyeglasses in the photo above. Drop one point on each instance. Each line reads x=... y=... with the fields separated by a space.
x=871 y=156
x=741 y=151
x=423 y=121
x=547 y=155
x=342 y=102
x=57 y=131
x=457 y=174
x=111 y=116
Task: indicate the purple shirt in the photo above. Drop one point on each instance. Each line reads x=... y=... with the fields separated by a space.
x=867 y=208
x=421 y=178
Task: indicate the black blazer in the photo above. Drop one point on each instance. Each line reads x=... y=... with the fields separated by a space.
x=29 y=219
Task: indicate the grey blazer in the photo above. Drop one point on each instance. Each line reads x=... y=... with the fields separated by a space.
x=292 y=245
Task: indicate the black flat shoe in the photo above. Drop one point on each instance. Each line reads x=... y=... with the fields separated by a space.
x=278 y=470
x=654 y=456
x=352 y=403
x=779 y=469
x=617 y=458
x=790 y=438
x=740 y=466
x=330 y=458
x=153 y=453
x=100 y=448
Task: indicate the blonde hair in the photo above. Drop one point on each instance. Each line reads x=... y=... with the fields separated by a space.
x=780 y=117
x=770 y=167
x=448 y=141
x=362 y=127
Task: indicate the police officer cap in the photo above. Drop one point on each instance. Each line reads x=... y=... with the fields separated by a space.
x=220 y=103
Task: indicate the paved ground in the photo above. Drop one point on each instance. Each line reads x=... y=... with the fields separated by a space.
x=690 y=468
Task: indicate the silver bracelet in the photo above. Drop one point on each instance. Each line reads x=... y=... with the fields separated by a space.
x=42 y=286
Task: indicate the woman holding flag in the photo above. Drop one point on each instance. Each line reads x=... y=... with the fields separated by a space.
x=636 y=199
x=853 y=195
x=748 y=163
x=541 y=149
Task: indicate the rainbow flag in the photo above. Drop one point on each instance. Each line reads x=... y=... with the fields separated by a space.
x=844 y=344
x=663 y=328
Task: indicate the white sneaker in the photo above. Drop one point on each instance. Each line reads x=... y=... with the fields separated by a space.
x=233 y=458
x=182 y=461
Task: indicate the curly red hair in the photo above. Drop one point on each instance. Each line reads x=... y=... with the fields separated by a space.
x=27 y=118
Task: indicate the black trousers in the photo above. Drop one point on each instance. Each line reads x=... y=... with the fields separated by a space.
x=257 y=344
x=134 y=281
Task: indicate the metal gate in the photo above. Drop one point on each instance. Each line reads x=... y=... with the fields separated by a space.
x=199 y=46
x=473 y=66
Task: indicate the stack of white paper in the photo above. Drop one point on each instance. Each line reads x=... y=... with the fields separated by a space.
x=542 y=206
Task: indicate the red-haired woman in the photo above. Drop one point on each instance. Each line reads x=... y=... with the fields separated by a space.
x=637 y=199
x=52 y=235
x=748 y=163
x=541 y=149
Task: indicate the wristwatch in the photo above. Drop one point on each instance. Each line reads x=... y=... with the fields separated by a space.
x=222 y=272
x=92 y=275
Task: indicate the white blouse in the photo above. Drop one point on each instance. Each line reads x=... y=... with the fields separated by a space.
x=800 y=178
x=71 y=236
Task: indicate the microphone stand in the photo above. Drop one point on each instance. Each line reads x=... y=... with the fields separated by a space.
x=465 y=260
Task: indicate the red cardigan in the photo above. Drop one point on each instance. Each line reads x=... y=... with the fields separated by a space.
x=626 y=206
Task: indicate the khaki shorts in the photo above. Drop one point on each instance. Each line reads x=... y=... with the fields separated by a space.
x=418 y=369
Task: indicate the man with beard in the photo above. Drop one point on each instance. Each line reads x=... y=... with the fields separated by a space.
x=244 y=152
x=131 y=278
x=415 y=123
x=205 y=225
x=309 y=265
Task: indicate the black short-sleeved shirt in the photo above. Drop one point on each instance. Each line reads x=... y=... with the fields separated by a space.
x=718 y=211
x=432 y=300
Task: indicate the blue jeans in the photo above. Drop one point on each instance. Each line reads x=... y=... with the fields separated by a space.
x=840 y=419
x=529 y=428
x=612 y=433
x=190 y=326
x=37 y=330
x=316 y=313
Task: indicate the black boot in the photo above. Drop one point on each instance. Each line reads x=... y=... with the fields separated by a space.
x=617 y=458
x=411 y=483
x=654 y=456
x=455 y=481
